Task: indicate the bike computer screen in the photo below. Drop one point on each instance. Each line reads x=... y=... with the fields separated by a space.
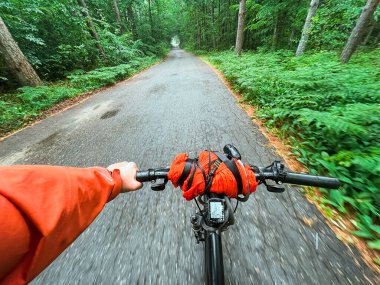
x=216 y=211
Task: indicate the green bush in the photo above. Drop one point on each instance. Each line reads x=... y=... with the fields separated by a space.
x=329 y=111
x=100 y=77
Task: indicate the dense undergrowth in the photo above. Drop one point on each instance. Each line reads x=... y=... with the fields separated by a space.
x=17 y=109
x=331 y=114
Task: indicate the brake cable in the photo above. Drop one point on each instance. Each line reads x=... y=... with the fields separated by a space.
x=200 y=211
x=237 y=203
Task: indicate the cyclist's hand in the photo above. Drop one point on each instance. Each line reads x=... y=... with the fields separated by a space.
x=128 y=175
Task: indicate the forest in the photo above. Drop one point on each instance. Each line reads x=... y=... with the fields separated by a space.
x=310 y=68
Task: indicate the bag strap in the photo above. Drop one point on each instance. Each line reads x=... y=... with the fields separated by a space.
x=212 y=168
x=191 y=166
x=231 y=165
x=186 y=171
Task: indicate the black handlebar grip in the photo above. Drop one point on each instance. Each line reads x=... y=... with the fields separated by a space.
x=144 y=176
x=152 y=174
x=312 y=180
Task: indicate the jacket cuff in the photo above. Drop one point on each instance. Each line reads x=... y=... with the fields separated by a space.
x=117 y=184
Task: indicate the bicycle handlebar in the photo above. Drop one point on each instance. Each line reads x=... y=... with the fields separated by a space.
x=301 y=179
x=273 y=172
x=312 y=180
x=152 y=174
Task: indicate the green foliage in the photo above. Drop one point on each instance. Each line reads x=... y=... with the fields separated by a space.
x=18 y=109
x=374 y=244
x=209 y=25
x=272 y=24
x=333 y=23
x=331 y=114
x=41 y=27
x=54 y=36
x=108 y=75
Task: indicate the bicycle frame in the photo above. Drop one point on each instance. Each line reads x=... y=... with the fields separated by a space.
x=214 y=258
x=210 y=233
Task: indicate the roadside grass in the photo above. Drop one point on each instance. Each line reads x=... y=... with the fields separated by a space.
x=331 y=115
x=21 y=108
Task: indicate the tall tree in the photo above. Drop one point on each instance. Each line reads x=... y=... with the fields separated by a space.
x=377 y=38
x=359 y=30
x=240 y=28
x=15 y=59
x=199 y=32
x=117 y=15
x=213 y=23
x=131 y=20
x=275 y=33
x=307 y=27
x=91 y=28
x=150 y=17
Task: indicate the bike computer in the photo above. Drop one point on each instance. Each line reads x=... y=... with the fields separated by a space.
x=216 y=210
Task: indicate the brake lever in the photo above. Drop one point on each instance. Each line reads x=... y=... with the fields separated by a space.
x=159 y=186
x=278 y=170
x=275 y=189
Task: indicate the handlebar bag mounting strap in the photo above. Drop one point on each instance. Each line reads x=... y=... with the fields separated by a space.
x=186 y=171
x=213 y=166
x=196 y=166
x=231 y=165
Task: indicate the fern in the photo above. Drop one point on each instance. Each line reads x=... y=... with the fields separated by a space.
x=329 y=111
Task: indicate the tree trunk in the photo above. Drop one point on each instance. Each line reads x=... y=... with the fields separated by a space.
x=150 y=17
x=307 y=27
x=91 y=28
x=275 y=34
x=358 y=31
x=198 y=33
x=131 y=20
x=158 y=21
x=213 y=25
x=15 y=59
x=205 y=31
x=247 y=39
x=118 y=18
x=240 y=28
x=377 y=38
x=368 y=35
x=291 y=38
x=230 y=30
x=219 y=26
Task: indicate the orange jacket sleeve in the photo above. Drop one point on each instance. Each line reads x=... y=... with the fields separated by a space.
x=43 y=209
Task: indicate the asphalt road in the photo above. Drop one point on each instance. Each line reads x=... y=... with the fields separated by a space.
x=145 y=237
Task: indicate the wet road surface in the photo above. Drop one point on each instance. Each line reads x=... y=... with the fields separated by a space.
x=145 y=237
